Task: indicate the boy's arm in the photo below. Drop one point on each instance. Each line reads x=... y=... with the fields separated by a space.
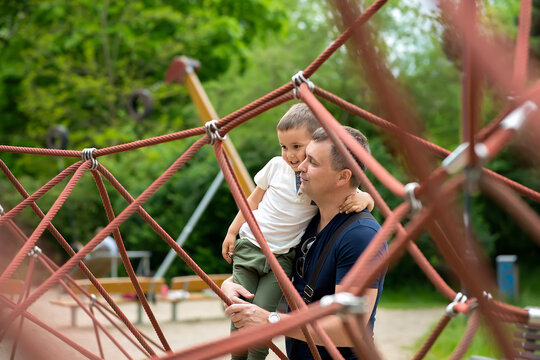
x=228 y=244
x=357 y=202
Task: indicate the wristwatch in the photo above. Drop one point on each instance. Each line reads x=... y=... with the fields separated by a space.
x=273 y=317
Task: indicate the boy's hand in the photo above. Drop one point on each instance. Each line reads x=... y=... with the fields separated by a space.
x=357 y=202
x=228 y=247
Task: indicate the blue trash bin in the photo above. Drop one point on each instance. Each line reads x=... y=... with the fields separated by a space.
x=508 y=277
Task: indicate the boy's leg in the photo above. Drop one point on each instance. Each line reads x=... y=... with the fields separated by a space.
x=269 y=294
x=246 y=259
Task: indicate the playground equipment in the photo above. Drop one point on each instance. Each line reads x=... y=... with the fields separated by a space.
x=426 y=202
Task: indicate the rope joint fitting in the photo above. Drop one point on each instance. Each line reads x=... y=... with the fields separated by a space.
x=213 y=131
x=460 y=298
x=93 y=299
x=35 y=252
x=299 y=78
x=351 y=304
x=534 y=314
x=516 y=119
x=88 y=154
x=416 y=205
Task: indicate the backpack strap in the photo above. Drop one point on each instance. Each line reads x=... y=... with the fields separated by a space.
x=309 y=288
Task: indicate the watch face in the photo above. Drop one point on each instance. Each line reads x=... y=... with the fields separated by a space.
x=273 y=318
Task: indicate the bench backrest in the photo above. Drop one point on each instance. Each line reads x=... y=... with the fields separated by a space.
x=527 y=341
x=194 y=283
x=120 y=285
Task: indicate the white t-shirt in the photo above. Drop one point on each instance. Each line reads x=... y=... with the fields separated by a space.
x=283 y=214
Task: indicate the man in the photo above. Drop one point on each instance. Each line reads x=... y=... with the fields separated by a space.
x=327 y=180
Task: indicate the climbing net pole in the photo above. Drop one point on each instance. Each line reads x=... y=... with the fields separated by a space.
x=426 y=203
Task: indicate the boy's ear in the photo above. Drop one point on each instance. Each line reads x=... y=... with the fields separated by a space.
x=343 y=177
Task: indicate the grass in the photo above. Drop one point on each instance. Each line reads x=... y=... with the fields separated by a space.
x=418 y=296
x=482 y=344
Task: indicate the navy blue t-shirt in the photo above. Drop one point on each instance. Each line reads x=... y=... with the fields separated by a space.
x=346 y=250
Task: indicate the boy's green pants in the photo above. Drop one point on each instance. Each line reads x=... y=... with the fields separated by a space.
x=252 y=271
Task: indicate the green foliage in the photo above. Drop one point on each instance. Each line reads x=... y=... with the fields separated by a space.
x=74 y=63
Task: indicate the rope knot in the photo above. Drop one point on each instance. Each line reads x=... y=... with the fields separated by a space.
x=88 y=154
x=213 y=131
x=298 y=79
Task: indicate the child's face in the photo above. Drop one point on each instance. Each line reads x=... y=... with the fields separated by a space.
x=293 y=145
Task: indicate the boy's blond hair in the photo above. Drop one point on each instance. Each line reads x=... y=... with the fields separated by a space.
x=297 y=117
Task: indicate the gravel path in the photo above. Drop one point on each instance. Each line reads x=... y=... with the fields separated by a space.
x=203 y=321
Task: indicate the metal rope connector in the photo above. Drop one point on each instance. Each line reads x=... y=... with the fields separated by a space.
x=534 y=314
x=457 y=160
x=213 y=131
x=351 y=304
x=92 y=300
x=416 y=205
x=460 y=298
x=298 y=79
x=35 y=252
x=88 y=154
x=514 y=120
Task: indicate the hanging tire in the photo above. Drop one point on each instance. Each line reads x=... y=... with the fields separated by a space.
x=140 y=104
x=57 y=137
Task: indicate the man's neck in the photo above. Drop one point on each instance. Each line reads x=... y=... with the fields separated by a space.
x=329 y=207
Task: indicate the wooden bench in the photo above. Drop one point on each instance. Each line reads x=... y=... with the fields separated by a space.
x=113 y=286
x=190 y=287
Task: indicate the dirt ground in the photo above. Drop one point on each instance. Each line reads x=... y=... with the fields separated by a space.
x=198 y=322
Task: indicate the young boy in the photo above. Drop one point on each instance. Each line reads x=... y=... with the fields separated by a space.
x=282 y=213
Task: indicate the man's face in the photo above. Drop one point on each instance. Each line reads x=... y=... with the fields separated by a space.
x=318 y=177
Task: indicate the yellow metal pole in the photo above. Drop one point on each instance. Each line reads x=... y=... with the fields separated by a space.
x=184 y=69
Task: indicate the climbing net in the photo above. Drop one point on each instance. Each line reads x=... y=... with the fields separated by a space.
x=426 y=203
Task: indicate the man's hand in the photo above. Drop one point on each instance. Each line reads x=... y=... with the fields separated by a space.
x=228 y=247
x=234 y=291
x=243 y=315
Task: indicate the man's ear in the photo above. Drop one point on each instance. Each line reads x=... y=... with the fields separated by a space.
x=343 y=177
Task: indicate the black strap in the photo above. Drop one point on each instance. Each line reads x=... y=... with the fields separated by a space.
x=309 y=288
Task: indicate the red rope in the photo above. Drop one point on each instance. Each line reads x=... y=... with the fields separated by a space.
x=433 y=336
x=124 y=215
x=292 y=296
x=49 y=329
x=25 y=249
x=71 y=253
x=437 y=150
x=127 y=263
x=38 y=194
x=468 y=335
x=340 y=138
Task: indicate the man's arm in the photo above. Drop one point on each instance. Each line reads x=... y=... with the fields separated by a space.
x=228 y=244
x=245 y=314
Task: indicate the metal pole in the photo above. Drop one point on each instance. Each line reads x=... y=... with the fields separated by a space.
x=186 y=231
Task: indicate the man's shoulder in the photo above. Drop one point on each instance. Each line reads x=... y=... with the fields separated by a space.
x=362 y=227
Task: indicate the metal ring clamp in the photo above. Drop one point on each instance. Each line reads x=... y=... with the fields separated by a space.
x=88 y=154
x=213 y=131
x=416 y=205
x=298 y=79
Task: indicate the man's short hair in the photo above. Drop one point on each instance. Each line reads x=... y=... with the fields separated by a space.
x=297 y=117
x=338 y=163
